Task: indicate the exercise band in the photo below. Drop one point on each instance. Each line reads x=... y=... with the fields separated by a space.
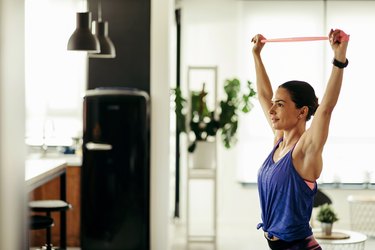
x=343 y=38
x=296 y=39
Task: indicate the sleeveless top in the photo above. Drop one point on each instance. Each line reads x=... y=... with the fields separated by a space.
x=286 y=200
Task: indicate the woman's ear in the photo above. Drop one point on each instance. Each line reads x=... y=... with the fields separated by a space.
x=303 y=112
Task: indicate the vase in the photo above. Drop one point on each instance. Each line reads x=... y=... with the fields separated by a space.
x=327 y=228
x=204 y=155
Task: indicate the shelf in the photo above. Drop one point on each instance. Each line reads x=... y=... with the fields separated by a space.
x=205 y=157
x=202 y=238
x=205 y=175
x=209 y=173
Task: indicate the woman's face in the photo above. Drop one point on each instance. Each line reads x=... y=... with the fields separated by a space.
x=283 y=112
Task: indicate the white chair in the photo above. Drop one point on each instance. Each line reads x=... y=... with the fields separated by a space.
x=362 y=214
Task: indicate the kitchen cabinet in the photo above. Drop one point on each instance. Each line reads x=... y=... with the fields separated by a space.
x=51 y=190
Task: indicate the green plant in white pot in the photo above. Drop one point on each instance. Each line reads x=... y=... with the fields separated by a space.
x=204 y=124
x=327 y=216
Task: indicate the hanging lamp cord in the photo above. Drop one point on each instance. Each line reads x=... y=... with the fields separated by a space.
x=100 y=11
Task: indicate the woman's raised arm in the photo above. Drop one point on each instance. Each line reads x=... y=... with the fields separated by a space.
x=316 y=136
x=264 y=88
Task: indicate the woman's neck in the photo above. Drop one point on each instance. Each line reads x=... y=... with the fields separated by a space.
x=290 y=138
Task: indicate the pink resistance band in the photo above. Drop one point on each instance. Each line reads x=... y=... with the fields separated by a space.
x=295 y=39
x=343 y=38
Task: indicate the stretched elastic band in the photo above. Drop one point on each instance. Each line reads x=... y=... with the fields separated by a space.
x=343 y=38
x=296 y=39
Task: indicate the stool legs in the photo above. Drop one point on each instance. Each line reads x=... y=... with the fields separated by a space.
x=48 y=241
x=43 y=222
x=48 y=245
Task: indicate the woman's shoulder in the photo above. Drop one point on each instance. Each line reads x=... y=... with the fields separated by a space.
x=308 y=163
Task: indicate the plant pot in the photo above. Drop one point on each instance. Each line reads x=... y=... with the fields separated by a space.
x=204 y=156
x=326 y=228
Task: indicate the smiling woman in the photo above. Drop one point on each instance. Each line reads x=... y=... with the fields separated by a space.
x=55 y=78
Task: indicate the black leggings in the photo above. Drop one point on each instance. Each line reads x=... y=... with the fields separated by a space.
x=308 y=243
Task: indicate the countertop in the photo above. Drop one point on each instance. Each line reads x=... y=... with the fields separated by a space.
x=71 y=160
x=40 y=171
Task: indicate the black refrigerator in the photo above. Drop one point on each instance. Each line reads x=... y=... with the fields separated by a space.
x=115 y=175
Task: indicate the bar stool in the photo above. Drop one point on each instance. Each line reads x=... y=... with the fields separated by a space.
x=42 y=222
x=49 y=206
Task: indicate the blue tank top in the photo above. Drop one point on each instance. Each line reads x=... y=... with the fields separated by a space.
x=286 y=200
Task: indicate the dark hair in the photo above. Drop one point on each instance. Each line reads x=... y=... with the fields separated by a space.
x=302 y=94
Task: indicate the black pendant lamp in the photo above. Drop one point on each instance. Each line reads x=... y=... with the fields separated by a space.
x=100 y=30
x=82 y=39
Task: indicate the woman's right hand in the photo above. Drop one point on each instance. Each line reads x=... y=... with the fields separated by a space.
x=258 y=45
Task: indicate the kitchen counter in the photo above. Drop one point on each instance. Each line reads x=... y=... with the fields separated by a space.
x=40 y=171
x=70 y=159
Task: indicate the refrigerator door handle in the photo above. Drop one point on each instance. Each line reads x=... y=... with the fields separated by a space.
x=98 y=146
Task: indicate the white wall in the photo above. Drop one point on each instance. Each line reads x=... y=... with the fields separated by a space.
x=12 y=150
x=209 y=38
x=162 y=12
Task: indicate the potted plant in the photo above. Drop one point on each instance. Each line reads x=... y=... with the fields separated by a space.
x=327 y=216
x=204 y=124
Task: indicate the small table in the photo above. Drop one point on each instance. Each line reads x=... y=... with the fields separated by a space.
x=356 y=241
x=39 y=172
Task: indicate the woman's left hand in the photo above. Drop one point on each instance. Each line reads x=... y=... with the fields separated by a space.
x=339 y=43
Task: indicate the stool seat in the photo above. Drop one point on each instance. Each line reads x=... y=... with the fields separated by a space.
x=40 y=222
x=49 y=205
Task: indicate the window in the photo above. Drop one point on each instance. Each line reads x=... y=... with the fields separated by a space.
x=55 y=77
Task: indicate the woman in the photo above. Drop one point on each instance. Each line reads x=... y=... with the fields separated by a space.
x=287 y=178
